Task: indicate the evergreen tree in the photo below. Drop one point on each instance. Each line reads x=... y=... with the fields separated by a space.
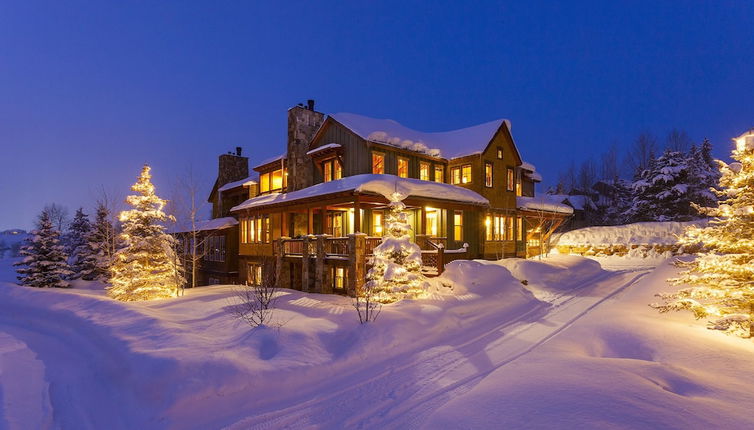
x=79 y=249
x=720 y=281
x=397 y=262
x=45 y=262
x=661 y=193
x=102 y=243
x=145 y=267
x=704 y=175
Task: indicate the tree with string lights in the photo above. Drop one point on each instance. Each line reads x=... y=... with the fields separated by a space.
x=144 y=268
x=397 y=262
x=719 y=283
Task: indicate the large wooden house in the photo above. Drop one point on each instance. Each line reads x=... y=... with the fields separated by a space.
x=318 y=209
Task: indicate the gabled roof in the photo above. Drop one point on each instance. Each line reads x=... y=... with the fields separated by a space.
x=207 y=225
x=447 y=144
x=384 y=185
x=544 y=203
x=271 y=160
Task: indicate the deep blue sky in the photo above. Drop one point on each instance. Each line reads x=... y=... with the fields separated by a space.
x=91 y=90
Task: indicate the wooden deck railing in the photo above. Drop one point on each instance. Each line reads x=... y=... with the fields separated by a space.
x=336 y=246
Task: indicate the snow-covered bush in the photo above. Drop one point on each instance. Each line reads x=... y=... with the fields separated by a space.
x=45 y=262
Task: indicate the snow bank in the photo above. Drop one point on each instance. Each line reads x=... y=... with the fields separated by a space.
x=449 y=144
x=640 y=233
x=384 y=185
x=621 y=365
x=553 y=275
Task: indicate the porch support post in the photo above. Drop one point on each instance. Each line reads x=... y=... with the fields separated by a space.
x=423 y=221
x=356 y=263
x=284 y=224
x=310 y=221
x=306 y=263
x=282 y=274
x=319 y=267
x=440 y=260
x=357 y=216
x=323 y=220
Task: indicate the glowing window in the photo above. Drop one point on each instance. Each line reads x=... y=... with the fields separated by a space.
x=488 y=228
x=264 y=182
x=458 y=225
x=500 y=153
x=327 y=171
x=277 y=180
x=520 y=228
x=403 y=167
x=439 y=174
x=511 y=180
x=488 y=174
x=432 y=220
x=424 y=171
x=466 y=174
x=377 y=224
x=337 y=170
x=378 y=163
x=455 y=175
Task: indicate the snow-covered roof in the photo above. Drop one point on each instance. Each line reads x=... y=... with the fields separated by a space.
x=448 y=144
x=531 y=172
x=528 y=166
x=323 y=148
x=207 y=225
x=543 y=203
x=577 y=201
x=270 y=160
x=384 y=185
x=242 y=182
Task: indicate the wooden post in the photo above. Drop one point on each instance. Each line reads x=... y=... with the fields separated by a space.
x=309 y=221
x=356 y=262
x=440 y=260
x=323 y=220
x=282 y=277
x=284 y=224
x=305 y=264
x=319 y=267
x=356 y=216
x=423 y=221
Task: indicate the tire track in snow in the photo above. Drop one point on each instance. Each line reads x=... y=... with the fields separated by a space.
x=376 y=399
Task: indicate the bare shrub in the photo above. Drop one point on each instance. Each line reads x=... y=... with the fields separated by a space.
x=366 y=304
x=254 y=303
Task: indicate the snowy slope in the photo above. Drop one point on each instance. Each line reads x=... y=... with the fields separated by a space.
x=640 y=233
x=491 y=353
x=622 y=365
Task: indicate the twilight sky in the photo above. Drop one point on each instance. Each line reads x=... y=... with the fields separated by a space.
x=89 y=91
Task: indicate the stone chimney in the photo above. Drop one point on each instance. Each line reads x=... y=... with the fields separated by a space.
x=303 y=123
x=232 y=167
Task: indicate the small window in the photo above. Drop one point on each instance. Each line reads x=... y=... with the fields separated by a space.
x=327 y=171
x=252 y=230
x=403 y=167
x=424 y=171
x=378 y=163
x=499 y=153
x=337 y=170
x=244 y=233
x=432 y=219
x=264 y=182
x=439 y=174
x=519 y=191
x=277 y=180
x=488 y=174
x=488 y=228
x=267 y=235
x=339 y=278
x=377 y=224
x=511 y=180
x=520 y=229
x=455 y=175
x=466 y=174
x=458 y=225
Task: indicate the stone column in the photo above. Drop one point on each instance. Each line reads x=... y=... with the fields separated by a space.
x=356 y=262
x=282 y=275
x=320 y=285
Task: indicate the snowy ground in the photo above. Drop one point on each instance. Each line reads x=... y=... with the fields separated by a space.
x=577 y=347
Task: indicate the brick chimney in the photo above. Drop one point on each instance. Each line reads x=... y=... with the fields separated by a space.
x=303 y=123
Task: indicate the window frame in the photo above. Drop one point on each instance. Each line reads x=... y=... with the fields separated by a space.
x=406 y=162
x=455 y=175
x=439 y=168
x=424 y=167
x=500 y=152
x=489 y=169
x=466 y=174
x=458 y=226
x=510 y=180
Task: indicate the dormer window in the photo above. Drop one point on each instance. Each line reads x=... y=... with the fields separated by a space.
x=424 y=171
x=403 y=167
x=378 y=163
x=332 y=170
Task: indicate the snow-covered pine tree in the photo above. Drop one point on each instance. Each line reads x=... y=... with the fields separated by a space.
x=45 y=262
x=661 y=191
x=720 y=281
x=704 y=175
x=144 y=268
x=79 y=248
x=397 y=262
x=102 y=243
